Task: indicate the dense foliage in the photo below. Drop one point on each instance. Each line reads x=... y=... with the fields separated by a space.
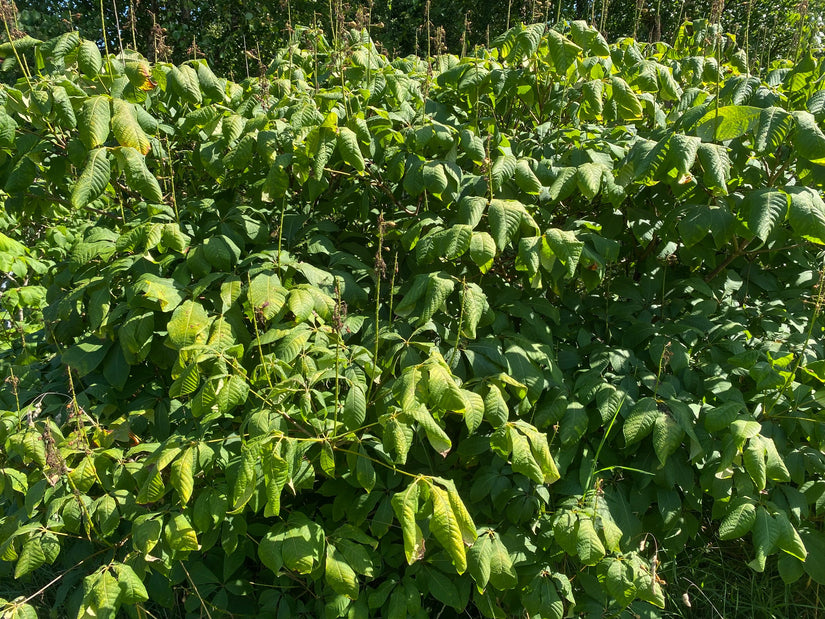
x=235 y=36
x=369 y=338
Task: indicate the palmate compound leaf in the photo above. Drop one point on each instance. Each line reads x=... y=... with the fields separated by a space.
x=405 y=506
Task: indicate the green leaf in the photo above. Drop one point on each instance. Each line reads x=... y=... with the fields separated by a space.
x=138 y=176
x=526 y=179
x=182 y=476
x=772 y=129
x=480 y=557
x=640 y=420
x=628 y=105
x=482 y=250
x=93 y=180
x=180 y=535
x=276 y=475
x=126 y=128
x=446 y=528
x=436 y=436
x=496 y=412
x=185 y=83
x=716 y=166
x=339 y=575
x=807 y=213
x=266 y=295
x=350 y=151
x=502 y=170
x=303 y=544
x=405 y=506
x=102 y=594
x=589 y=547
x=765 y=534
x=439 y=287
x=146 y=532
x=589 y=179
x=505 y=217
x=564 y=245
x=727 y=122
x=542 y=598
x=364 y=470
x=62 y=108
x=809 y=139
x=89 y=60
x=522 y=459
x=301 y=303
x=754 y=460
x=189 y=325
x=132 y=590
x=667 y=437
x=31 y=557
x=738 y=522
x=789 y=539
x=95 y=115
x=766 y=209
x=563 y=52
x=355 y=407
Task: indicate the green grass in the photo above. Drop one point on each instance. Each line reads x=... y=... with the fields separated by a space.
x=717 y=583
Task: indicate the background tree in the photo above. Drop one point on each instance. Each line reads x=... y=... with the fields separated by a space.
x=232 y=34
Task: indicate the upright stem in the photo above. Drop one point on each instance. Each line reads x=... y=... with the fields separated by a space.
x=103 y=30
